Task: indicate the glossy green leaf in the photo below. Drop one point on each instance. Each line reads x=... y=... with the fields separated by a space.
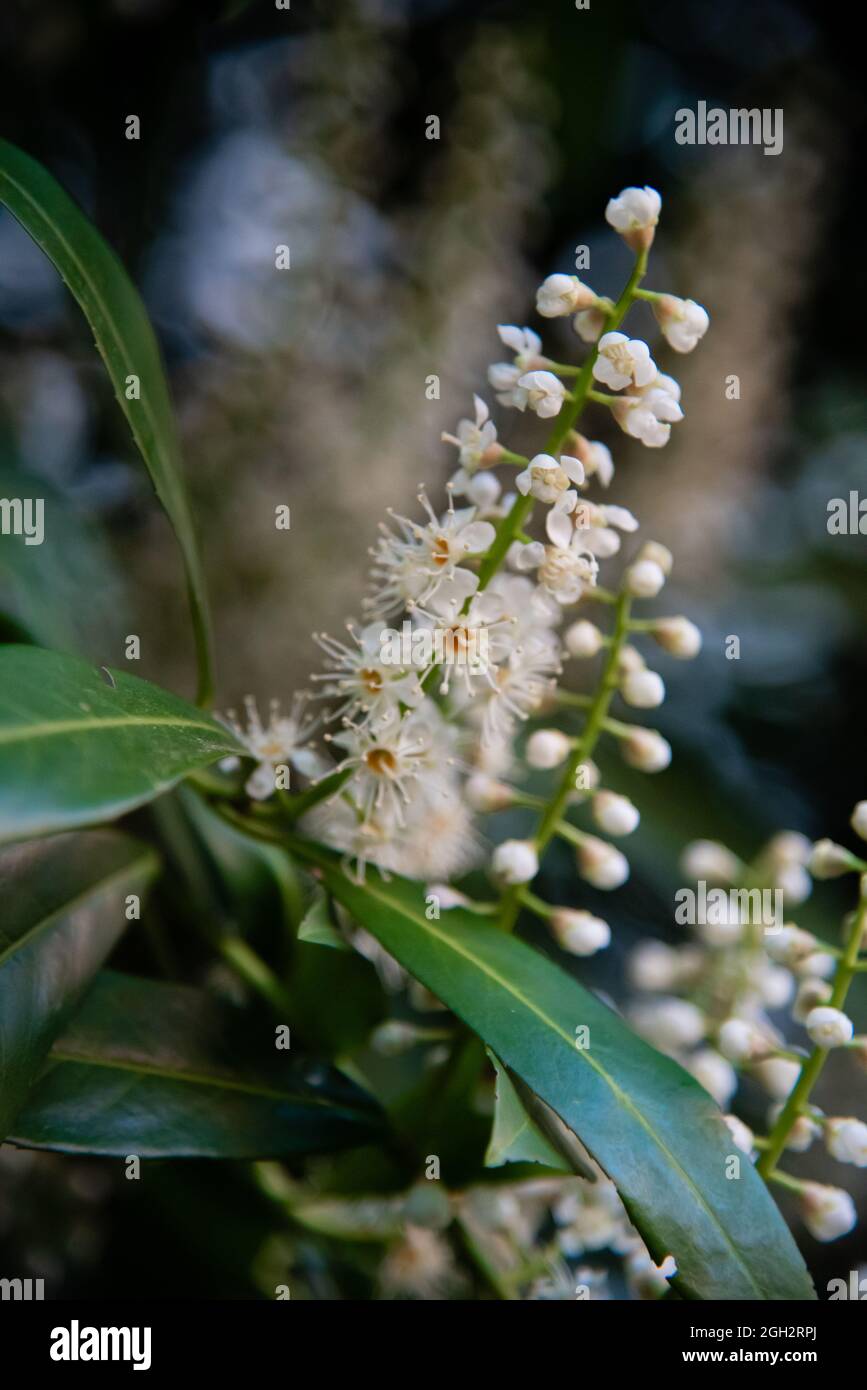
x=514 y=1137
x=648 y=1124
x=63 y=909
x=164 y=1070
x=127 y=344
x=78 y=745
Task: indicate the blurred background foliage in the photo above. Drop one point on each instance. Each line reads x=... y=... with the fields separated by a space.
x=307 y=127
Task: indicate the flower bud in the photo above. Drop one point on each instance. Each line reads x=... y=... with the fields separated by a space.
x=629 y=659
x=393 y=1037
x=563 y=294
x=811 y=993
x=578 y=932
x=829 y=1027
x=678 y=636
x=486 y=794
x=601 y=864
x=615 y=814
x=644 y=579
x=670 y=1024
x=548 y=748
x=654 y=966
x=645 y=750
x=829 y=860
x=711 y=861
x=634 y=213
x=846 y=1140
x=588 y=324
x=714 y=1073
x=583 y=639
x=741 y=1041
x=659 y=554
x=778 y=1075
x=828 y=1212
x=790 y=945
x=858 y=820
x=515 y=861
x=741 y=1133
x=643 y=689
x=683 y=322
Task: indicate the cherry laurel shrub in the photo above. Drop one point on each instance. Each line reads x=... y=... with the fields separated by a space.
x=370 y=1031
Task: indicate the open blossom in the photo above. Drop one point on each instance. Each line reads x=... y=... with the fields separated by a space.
x=566 y=572
x=283 y=741
x=385 y=757
x=589 y=527
x=634 y=213
x=549 y=479
x=563 y=294
x=649 y=414
x=623 y=361
x=360 y=679
x=476 y=442
x=683 y=322
x=527 y=348
x=412 y=563
x=542 y=391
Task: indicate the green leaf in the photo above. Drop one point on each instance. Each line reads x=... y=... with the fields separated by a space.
x=514 y=1137
x=127 y=344
x=63 y=911
x=648 y=1124
x=164 y=1070
x=77 y=747
x=316 y=925
x=65 y=593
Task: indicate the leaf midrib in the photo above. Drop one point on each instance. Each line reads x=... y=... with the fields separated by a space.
x=624 y=1099
x=19 y=732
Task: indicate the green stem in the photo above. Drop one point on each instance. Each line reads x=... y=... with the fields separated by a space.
x=811 y=1070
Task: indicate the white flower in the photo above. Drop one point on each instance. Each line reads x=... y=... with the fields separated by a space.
x=811 y=993
x=790 y=945
x=583 y=639
x=634 y=213
x=413 y=563
x=386 y=757
x=846 y=1141
x=579 y=932
x=741 y=1041
x=615 y=814
x=778 y=1075
x=595 y=456
x=482 y=489
x=542 y=391
x=803 y=1132
x=829 y=860
x=741 y=1133
x=587 y=526
x=549 y=479
x=659 y=554
x=645 y=750
x=563 y=294
x=643 y=689
x=828 y=1212
x=601 y=864
x=710 y=860
x=671 y=1024
x=683 y=322
x=644 y=579
x=648 y=415
x=677 y=636
x=858 y=820
x=623 y=361
x=653 y=966
x=564 y=571
x=829 y=1027
x=281 y=742
x=521 y=684
x=714 y=1073
x=476 y=440
x=548 y=748
x=515 y=861
x=361 y=679
x=504 y=376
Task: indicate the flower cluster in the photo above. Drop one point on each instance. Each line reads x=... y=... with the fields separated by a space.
x=424 y=748
x=720 y=1003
